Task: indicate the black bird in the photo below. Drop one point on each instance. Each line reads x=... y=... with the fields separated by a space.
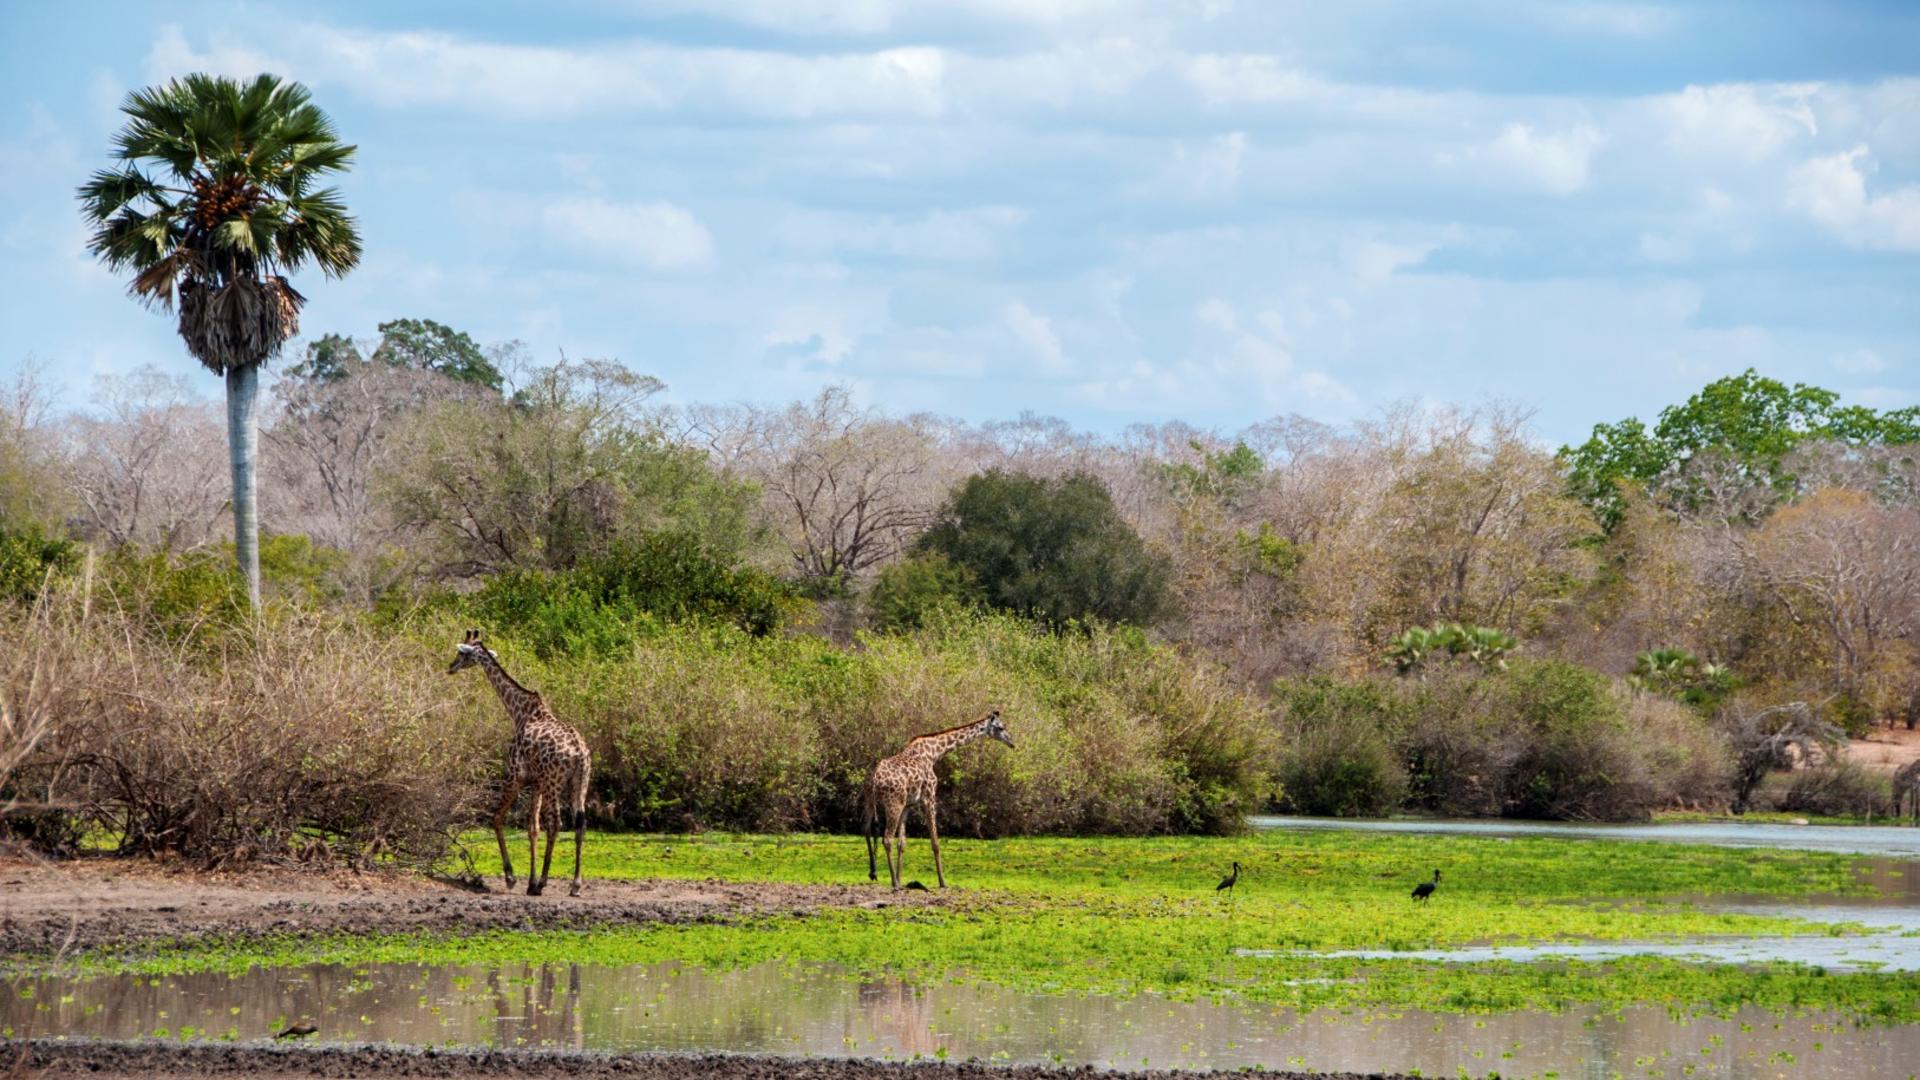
x=915 y=885
x=1228 y=882
x=1425 y=888
x=297 y=1031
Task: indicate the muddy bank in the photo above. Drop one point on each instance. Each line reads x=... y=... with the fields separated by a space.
x=92 y=904
x=110 y=1061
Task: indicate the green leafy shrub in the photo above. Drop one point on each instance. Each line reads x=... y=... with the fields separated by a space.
x=604 y=605
x=706 y=725
x=27 y=558
x=907 y=593
x=1340 y=759
x=1053 y=550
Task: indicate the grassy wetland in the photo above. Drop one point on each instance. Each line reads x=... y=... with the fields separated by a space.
x=1124 y=917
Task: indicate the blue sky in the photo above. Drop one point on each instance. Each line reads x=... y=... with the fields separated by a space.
x=1106 y=210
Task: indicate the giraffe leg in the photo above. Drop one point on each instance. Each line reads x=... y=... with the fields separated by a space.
x=553 y=831
x=533 y=842
x=933 y=837
x=897 y=828
x=500 y=826
x=579 y=845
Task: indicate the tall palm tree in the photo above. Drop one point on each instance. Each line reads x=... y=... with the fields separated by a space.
x=211 y=204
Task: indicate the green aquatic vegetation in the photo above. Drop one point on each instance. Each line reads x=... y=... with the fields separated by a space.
x=1127 y=916
x=1280 y=865
x=1124 y=960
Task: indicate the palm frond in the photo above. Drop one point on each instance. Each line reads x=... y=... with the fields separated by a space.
x=241 y=157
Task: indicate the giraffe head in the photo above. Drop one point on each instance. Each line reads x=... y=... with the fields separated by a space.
x=997 y=728
x=468 y=652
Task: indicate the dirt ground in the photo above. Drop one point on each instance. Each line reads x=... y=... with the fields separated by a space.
x=114 y=1061
x=87 y=904
x=1886 y=749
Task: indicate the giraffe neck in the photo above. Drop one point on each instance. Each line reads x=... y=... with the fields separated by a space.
x=938 y=746
x=519 y=700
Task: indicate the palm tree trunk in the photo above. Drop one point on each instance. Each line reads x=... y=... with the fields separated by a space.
x=243 y=439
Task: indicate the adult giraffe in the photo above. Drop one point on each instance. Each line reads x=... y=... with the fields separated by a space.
x=907 y=778
x=546 y=754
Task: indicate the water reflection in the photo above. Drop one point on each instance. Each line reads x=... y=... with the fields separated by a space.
x=776 y=1009
x=1856 y=839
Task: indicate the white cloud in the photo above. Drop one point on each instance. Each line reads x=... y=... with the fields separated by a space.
x=872 y=17
x=1233 y=362
x=1374 y=261
x=1741 y=120
x=1035 y=333
x=172 y=56
x=1664 y=249
x=1832 y=190
x=1213 y=167
x=1557 y=163
x=1858 y=362
x=1612 y=19
x=941 y=236
x=659 y=235
x=413 y=69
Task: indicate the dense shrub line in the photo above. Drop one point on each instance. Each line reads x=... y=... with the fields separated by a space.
x=180 y=726
x=175 y=721
x=1546 y=739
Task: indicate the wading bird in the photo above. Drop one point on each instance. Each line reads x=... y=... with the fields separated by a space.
x=1425 y=888
x=1227 y=883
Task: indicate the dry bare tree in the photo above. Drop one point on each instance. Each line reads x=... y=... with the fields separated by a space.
x=846 y=488
x=1849 y=569
x=146 y=469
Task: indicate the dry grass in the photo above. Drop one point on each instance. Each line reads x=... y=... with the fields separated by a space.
x=301 y=737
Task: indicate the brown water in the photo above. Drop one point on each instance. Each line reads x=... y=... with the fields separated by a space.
x=778 y=1010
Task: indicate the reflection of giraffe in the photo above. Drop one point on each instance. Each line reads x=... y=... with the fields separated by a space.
x=899 y=1018
x=540 y=1020
x=1906 y=786
x=907 y=778
x=546 y=754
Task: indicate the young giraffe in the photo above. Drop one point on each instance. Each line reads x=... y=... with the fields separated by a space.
x=546 y=754
x=907 y=778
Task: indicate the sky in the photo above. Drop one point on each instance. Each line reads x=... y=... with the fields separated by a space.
x=1110 y=211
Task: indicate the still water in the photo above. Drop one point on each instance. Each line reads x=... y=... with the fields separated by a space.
x=775 y=1009
x=1857 y=839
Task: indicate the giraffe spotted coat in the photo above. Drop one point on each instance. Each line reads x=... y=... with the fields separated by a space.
x=547 y=757
x=907 y=779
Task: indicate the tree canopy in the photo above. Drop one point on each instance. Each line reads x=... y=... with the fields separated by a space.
x=1054 y=550
x=414 y=344
x=1747 y=422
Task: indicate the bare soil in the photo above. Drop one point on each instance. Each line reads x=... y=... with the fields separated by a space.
x=1885 y=750
x=47 y=907
x=115 y=1061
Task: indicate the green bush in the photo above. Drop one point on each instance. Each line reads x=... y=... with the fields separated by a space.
x=606 y=604
x=906 y=595
x=27 y=558
x=705 y=725
x=1545 y=739
x=1340 y=760
x=1053 y=550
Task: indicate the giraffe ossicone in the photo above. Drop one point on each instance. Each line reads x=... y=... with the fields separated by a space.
x=908 y=778
x=547 y=756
